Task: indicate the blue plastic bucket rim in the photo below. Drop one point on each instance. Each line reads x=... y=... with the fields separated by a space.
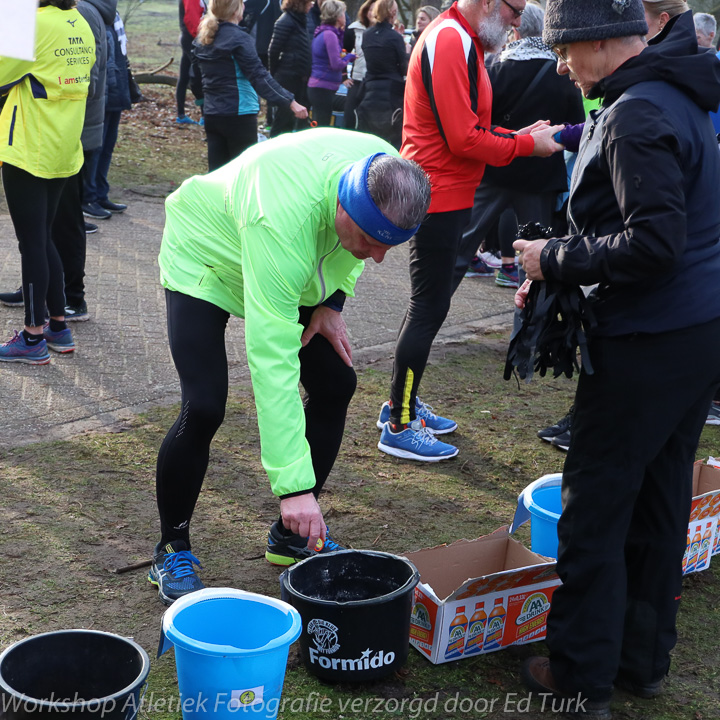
x=69 y=706
x=170 y=631
x=546 y=481
x=409 y=584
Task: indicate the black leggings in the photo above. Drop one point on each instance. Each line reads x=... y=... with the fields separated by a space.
x=182 y=462
x=33 y=202
x=321 y=100
x=433 y=253
x=228 y=136
x=189 y=73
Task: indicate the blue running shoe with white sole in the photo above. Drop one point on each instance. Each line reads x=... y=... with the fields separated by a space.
x=416 y=442
x=16 y=349
x=60 y=341
x=172 y=571
x=290 y=549
x=436 y=424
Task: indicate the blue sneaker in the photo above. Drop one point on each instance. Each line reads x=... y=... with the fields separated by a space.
x=60 y=341
x=202 y=121
x=172 y=571
x=185 y=120
x=479 y=268
x=416 y=442
x=290 y=549
x=507 y=278
x=434 y=423
x=17 y=350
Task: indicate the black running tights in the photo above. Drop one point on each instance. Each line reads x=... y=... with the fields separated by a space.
x=183 y=458
x=33 y=202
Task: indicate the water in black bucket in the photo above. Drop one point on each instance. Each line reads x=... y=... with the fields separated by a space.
x=355 y=606
x=75 y=673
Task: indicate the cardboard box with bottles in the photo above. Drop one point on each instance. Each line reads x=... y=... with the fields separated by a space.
x=478 y=596
x=703 y=538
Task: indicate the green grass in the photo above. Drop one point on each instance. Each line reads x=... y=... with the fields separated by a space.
x=73 y=511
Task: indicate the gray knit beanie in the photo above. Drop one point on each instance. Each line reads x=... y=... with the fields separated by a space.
x=568 y=21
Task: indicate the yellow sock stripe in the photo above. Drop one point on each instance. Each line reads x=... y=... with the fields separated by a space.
x=407 y=391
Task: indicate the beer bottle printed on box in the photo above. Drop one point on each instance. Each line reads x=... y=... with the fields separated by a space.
x=693 y=552
x=687 y=552
x=456 y=637
x=476 y=630
x=495 y=626
x=704 y=553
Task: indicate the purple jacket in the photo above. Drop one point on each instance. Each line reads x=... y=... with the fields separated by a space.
x=327 y=62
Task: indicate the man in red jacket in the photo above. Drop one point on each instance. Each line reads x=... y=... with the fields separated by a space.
x=446 y=130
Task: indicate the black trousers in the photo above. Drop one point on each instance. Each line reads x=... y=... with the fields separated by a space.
x=33 y=202
x=189 y=73
x=433 y=255
x=228 y=136
x=626 y=504
x=321 y=100
x=68 y=234
x=183 y=458
x=490 y=203
x=284 y=120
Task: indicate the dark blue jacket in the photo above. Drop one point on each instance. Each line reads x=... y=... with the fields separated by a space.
x=117 y=88
x=233 y=76
x=644 y=213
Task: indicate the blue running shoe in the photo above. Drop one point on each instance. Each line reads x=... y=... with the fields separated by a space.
x=507 y=278
x=290 y=549
x=17 y=350
x=434 y=423
x=185 y=120
x=479 y=268
x=416 y=442
x=60 y=341
x=172 y=571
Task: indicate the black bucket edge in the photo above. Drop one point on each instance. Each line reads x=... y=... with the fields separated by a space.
x=68 y=707
x=409 y=584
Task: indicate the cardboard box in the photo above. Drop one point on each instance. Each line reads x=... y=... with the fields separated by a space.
x=513 y=584
x=704 y=525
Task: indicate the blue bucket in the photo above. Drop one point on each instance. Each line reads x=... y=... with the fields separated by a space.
x=541 y=501
x=231 y=650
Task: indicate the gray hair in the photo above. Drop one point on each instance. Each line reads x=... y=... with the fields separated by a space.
x=331 y=11
x=532 y=21
x=401 y=190
x=705 y=23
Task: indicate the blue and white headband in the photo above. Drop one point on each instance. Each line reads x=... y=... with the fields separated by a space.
x=355 y=198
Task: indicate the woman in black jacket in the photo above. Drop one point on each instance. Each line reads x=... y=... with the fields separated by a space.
x=380 y=109
x=290 y=59
x=232 y=79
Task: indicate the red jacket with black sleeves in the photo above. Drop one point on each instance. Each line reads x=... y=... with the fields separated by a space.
x=448 y=102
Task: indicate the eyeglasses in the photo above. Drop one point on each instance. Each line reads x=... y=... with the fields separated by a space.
x=560 y=51
x=516 y=12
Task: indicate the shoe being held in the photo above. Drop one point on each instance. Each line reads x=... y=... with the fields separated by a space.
x=288 y=549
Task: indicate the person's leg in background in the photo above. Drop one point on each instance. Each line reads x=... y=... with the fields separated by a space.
x=284 y=120
x=321 y=101
x=227 y=137
x=110 y=136
x=68 y=234
x=33 y=202
x=186 y=42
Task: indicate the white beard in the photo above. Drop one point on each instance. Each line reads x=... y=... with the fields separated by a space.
x=492 y=32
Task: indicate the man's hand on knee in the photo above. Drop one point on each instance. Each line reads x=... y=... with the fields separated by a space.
x=330 y=324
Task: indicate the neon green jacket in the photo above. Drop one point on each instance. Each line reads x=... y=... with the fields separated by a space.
x=257 y=238
x=43 y=116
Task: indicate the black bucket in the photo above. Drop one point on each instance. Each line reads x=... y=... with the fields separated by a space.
x=72 y=673
x=355 y=607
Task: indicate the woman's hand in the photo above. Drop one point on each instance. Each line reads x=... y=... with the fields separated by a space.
x=298 y=110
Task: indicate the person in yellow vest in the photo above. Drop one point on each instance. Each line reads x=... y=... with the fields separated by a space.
x=40 y=148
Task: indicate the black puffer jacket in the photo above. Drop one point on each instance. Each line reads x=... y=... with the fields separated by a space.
x=643 y=211
x=289 y=52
